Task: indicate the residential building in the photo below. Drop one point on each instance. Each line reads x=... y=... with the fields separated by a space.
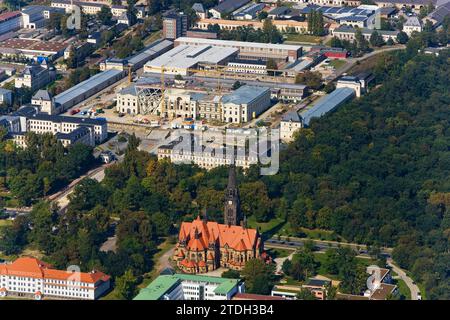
x=249 y=12
x=35 y=76
x=245 y=104
x=438 y=15
x=380 y=287
x=118 y=10
x=10 y=21
x=227 y=7
x=199 y=10
x=175 y=25
x=281 y=25
x=32 y=278
x=42 y=123
x=345 y=32
x=289 y=124
x=206 y=245
x=5 y=97
x=248 y=50
x=191 y=287
x=90 y=8
x=318 y=287
x=45 y=101
x=412 y=24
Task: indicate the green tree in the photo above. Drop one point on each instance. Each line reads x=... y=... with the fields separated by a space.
x=126 y=286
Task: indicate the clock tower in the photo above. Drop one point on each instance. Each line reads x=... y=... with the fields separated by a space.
x=232 y=210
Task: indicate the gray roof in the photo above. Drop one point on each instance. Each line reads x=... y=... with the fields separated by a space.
x=129 y=90
x=244 y=94
x=326 y=104
x=58 y=118
x=86 y=85
x=291 y=116
x=150 y=51
x=73 y=135
x=366 y=31
x=440 y=12
x=408 y=2
x=413 y=22
x=42 y=94
x=198 y=7
x=230 y=5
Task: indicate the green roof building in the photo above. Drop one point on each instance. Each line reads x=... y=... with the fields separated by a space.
x=191 y=287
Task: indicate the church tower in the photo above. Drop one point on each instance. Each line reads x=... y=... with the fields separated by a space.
x=232 y=210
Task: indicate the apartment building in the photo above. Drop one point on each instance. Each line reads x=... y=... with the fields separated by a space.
x=35 y=76
x=31 y=278
x=45 y=101
x=247 y=66
x=345 y=32
x=175 y=25
x=86 y=7
x=289 y=124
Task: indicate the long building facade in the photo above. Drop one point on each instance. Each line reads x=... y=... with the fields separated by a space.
x=31 y=278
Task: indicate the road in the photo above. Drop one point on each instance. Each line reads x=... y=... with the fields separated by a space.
x=321 y=245
x=353 y=61
x=415 y=291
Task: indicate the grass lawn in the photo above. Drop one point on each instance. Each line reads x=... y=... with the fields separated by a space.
x=299 y=37
x=279 y=253
x=403 y=289
x=5 y=223
x=336 y=63
x=153 y=37
x=316 y=234
x=265 y=227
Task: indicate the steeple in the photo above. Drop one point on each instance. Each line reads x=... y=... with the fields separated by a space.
x=232 y=210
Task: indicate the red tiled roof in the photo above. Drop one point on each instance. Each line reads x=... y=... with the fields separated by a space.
x=236 y=237
x=34 y=268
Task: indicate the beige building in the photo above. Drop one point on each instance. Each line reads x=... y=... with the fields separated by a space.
x=35 y=76
x=290 y=123
x=45 y=101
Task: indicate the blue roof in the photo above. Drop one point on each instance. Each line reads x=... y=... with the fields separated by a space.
x=327 y=103
x=244 y=94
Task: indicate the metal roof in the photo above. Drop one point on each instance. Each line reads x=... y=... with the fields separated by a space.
x=244 y=94
x=187 y=56
x=229 y=5
x=86 y=85
x=230 y=43
x=326 y=104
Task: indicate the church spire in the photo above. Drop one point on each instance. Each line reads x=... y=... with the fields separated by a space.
x=232 y=210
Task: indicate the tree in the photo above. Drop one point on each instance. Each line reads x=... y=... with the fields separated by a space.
x=305 y=294
x=258 y=276
x=376 y=40
x=231 y=274
x=402 y=37
x=262 y=15
x=236 y=85
x=310 y=79
x=105 y=15
x=126 y=286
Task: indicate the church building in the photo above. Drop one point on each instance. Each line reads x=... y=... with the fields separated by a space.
x=207 y=245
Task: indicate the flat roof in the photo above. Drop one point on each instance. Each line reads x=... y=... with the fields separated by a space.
x=186 y=56
x=157 y=288
x=165 y=283
x=229 y=5
x=244 y=94
x=230 y=43
x=326 y=104
x=154 y=48
x=86 y=85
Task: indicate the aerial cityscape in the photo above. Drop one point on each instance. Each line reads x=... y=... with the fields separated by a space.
x=243 y=150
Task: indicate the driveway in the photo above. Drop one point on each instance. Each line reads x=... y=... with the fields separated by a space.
x=415 y=291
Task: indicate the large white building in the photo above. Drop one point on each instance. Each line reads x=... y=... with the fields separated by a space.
x=32 y=278
x=35 y=76
x=289 y=124
x=184 y=57
x=191 y=287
